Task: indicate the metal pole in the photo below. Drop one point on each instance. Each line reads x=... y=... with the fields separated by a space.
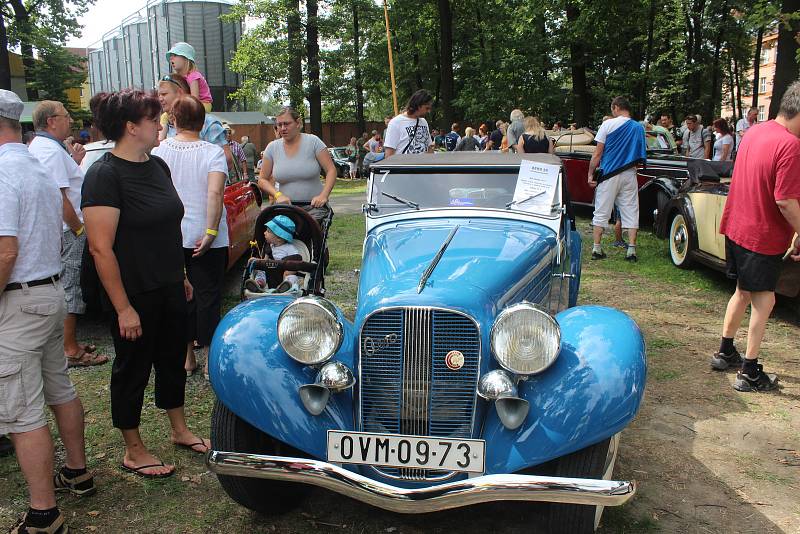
x=391 y=60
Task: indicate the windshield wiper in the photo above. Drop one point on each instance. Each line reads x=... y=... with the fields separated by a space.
x=402 y=200
x=524 y=200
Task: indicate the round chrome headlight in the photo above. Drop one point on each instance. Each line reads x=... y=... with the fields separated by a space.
x=309 y=330
x=525 y=340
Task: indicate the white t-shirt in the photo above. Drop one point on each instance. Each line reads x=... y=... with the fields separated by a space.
x=742 y=125
x=609 y=126
x=399 y=131
x=30 y=210
x=189 y=163
x=60 y=167
x=721 y=142
x=280 y=252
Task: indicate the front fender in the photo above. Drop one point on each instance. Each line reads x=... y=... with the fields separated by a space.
x=253 y=376
x=591 y=392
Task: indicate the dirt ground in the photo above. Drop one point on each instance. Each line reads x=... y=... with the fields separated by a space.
x=707 y=458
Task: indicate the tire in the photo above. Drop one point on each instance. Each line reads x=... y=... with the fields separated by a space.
x=680 y=242
x=585 y=463
x=662 y=199
x=269 y=497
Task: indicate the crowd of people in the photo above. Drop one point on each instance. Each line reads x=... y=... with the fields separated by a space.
x=144 y=230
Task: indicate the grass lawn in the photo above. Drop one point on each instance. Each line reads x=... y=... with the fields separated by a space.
x=348 y=187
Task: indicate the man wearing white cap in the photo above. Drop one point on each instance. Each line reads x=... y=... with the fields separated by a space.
x=33 y=371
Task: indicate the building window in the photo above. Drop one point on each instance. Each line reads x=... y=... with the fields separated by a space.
x=764 y=55
x=762 y=84
x=762 y=115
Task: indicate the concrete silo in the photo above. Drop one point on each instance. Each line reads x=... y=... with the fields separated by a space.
x=134 y=54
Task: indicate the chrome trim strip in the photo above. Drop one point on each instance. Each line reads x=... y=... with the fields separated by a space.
x=436 y=259
x=486 y=488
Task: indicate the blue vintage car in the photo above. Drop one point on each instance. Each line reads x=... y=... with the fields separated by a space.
x=468 y=375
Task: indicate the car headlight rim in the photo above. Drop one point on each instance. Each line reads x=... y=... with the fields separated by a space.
x=327 y=334
x=548 y=323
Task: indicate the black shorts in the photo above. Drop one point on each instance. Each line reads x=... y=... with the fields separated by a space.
x=751 y=270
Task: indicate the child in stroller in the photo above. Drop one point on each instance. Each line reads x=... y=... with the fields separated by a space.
x=279 y=236
x=288 y=254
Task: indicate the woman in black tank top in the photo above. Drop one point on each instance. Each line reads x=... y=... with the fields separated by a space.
x=534 y=140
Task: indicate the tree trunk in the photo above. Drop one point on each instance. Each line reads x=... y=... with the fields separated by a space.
x=715 y=97
x=647 y=59
x=757 y=66
x=359 y=82
x=5 y=64
x=786 y=69
x=312 y=46
x=25 y=32
x=694 y=73
x=446 y=60
x=732 y=87
x=580 y=88
x=295 y=45
x=738 y=87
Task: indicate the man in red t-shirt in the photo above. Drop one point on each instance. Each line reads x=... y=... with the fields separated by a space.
x=761 y=216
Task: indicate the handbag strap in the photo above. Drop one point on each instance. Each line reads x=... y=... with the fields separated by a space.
x=412 y=138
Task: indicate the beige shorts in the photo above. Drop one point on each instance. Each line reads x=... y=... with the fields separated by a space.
x=33 y=369
x=621 y=190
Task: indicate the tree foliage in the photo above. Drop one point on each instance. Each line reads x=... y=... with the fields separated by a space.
x=560 y=59
x=40 y=28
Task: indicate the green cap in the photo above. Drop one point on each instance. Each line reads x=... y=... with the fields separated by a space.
x=181 y=49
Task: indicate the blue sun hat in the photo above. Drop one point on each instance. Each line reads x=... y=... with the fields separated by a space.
x=282 y=226
x=181 y=49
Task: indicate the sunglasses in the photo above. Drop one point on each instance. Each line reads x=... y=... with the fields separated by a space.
x=169 y=79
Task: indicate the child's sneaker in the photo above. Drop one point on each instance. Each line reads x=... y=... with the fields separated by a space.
x=252 y=286
x=620 y=244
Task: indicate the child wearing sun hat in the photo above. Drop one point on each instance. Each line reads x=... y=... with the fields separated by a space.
x=181 y=58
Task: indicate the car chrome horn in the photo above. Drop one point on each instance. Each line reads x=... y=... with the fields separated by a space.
x=500 y=386
x=333 y=377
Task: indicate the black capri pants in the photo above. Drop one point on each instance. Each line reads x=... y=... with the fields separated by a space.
x=162 y=346
x=206 y=273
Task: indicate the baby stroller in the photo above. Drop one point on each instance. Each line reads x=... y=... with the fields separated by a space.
x=310 y=239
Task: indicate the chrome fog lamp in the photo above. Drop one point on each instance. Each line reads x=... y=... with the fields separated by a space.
x=525 y=340
x=309 y=330
x=333 y=377
x=501 y=387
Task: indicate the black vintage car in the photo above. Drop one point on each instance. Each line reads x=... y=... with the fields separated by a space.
x=690 y=220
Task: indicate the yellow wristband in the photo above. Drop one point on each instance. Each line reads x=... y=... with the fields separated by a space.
x=80 y=231
x=278 y=195
x=210 y=231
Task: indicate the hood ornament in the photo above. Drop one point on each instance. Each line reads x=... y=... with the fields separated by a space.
x=429 y=271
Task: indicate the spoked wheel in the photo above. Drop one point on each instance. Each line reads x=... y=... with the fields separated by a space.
x=231 y=433
x=680 y=242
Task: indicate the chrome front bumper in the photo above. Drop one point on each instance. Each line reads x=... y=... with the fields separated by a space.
x=475 y=490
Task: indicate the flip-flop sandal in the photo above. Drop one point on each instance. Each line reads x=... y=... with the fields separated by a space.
x=192 y=446
x=138 y=470
x=85 y=359
x=89 y=347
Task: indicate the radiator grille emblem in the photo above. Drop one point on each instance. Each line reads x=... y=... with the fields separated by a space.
x=454 y=360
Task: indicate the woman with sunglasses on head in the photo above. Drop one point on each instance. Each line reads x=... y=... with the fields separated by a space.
x=133 y=218
x=296 y=160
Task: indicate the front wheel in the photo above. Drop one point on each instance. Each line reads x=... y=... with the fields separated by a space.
x=680 y=242
x=597 y=462
x=230 y=433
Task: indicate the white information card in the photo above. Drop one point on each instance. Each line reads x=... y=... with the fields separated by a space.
x=536 y=187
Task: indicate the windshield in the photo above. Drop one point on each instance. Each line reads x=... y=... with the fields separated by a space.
x=396 y=191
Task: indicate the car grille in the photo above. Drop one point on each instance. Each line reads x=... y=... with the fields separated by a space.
x=406 y=387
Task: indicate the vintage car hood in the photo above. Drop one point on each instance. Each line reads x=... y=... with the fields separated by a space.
x=487 y=264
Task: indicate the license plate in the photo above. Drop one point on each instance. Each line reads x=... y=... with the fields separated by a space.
x=393 y=450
